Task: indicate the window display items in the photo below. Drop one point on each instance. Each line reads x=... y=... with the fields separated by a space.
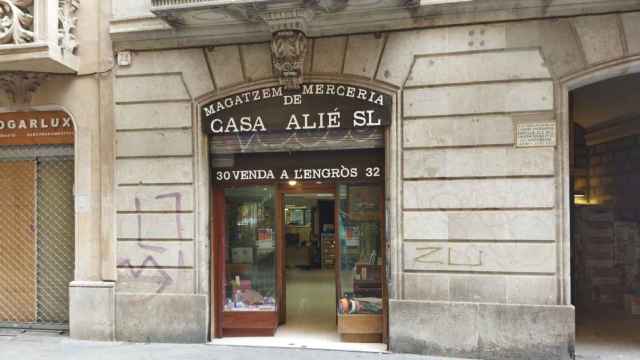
x=250 y=250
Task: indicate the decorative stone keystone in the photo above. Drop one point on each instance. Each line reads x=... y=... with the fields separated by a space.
x=288 y=43
x=288 y=51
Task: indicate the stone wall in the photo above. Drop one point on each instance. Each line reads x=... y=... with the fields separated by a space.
x=476 y=224
x=157 y=243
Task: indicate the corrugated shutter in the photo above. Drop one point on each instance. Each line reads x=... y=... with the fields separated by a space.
x=55 y=238
x=37 y=235
x=17 y=241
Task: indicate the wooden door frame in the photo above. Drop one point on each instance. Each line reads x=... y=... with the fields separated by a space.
x=218 y=225
x=281 y=261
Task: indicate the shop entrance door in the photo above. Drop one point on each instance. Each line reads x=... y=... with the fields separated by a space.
x=308 y=273
x=346 y=248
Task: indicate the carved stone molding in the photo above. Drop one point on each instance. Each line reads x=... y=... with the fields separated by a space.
x=328 y=6
x=16 y=21
x=288 y=51
x=288 y=27
x=287 y=19
x=67 y=22
x=20 y=86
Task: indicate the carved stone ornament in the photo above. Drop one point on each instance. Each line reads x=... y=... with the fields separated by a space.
x=20 y=86
x=67 y=22
x=16 y=21
x=288 y=51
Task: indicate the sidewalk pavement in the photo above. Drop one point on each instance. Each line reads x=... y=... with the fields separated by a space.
x=32 y=345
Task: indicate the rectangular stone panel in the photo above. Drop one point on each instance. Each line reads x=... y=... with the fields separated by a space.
x=226 y=65
x=166 y=87
x=155 y=198
x=150 y=281
x=482 y=288
x=478 y=162
x=478 y=288
x=154 y=143
x=94 y=300
x=363 y=54
x=165 y=318
x=257 y=61
x=155 y=226
x=328 y=54
x=458 y=131
x=631 y=24
x=479 y=99
x=154 y=171
x=600 y=37
x=480 y=257
x=478 y=67
x=527 y=225
x=482 y=331
x=190 y=63
x=563 y=54
x=402 y=46
x=532 y=290
x=434 y=287
x=479 y=193
x=155 y=254
x=153 y=116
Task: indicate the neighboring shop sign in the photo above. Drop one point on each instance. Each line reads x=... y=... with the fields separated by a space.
x=316 y=106
x=36 y=128
x=325 y=166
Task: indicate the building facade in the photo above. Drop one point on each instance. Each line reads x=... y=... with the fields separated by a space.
x=197 y=119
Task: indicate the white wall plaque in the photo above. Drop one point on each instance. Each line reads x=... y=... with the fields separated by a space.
x=530 y=134
x=82 y=203
x=124 y=58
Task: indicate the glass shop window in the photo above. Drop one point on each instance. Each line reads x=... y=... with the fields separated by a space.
x=250 y=249
x=360 y=235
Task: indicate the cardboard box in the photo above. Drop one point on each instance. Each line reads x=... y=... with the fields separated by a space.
x=360 y=328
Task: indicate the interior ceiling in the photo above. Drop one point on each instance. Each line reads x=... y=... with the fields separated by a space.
x=607 y=101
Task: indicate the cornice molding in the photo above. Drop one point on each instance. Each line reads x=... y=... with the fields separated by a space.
x=217 y=22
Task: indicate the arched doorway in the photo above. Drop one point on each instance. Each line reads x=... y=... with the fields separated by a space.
x=298 y=209
x=605 y=214
x=37 y=219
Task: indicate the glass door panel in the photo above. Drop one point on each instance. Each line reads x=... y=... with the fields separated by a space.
x=360 y=240
x=250 y=249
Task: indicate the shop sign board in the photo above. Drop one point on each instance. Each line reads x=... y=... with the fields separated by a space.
x=314 y=107
x=36 y=128
x=325 y=166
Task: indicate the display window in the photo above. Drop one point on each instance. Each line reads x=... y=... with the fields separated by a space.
x=250 y=249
